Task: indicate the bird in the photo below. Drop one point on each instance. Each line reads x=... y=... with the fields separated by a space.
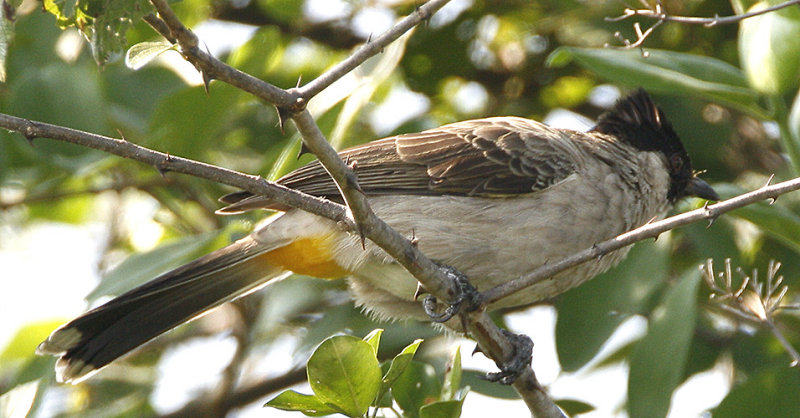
x=494 y=198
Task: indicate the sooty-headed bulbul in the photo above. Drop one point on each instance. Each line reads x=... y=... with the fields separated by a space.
x=494 y=198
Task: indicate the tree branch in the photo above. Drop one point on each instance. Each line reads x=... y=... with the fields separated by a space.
x=165 y=163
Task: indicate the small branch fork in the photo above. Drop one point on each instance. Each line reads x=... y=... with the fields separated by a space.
x=657 y=11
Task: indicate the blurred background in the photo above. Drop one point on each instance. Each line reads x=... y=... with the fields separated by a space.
x=78 y=226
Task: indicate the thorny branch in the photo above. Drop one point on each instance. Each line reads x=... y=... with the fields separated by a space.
x=657 y=11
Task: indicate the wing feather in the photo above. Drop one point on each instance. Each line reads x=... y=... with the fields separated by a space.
x=504 y=156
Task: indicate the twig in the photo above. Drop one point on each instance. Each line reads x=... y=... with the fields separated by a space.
x=658 y=13
x=372 y=47
x=647 y=231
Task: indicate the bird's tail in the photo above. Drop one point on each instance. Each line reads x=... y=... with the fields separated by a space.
x=107 y=332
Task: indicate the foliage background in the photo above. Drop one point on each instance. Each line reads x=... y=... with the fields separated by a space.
x=484 y=58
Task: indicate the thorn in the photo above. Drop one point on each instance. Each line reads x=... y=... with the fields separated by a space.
x=477 y=350
x=655 y=238
x=29 y=132
x=769 y=180
x=414 y=240
x=303 y=150
x=420 y=291
x=162 y=170
x=650 y=220
x=596 y=248
x=352 y=180
x=772 y=200
x=122 y=136
x=206 y=80
x=283 y=115
x=299 y=81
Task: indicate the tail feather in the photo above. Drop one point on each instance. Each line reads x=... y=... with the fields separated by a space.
x=107 y=332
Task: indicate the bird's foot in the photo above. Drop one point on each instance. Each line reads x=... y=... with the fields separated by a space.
x=469 y=299
x=513 y=368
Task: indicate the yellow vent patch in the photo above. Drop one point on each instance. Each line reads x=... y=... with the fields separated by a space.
x=308 y=256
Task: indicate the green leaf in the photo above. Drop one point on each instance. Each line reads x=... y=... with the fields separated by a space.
x=772 y=393
x=18 y=401
x=574 y=407
x=476 y=382
x=344 y=372
x=23 y=344
x=416 y=387
x=667 y=72
x=374 y=340
x=189 y=122
x=658 y=360
x=399 y=364
x=452 y=376
x=142 y=267
x=142 y=53
x=310 y=405
x=768 y=46
x=73 y=209
x=442 y=409
x=590 y=313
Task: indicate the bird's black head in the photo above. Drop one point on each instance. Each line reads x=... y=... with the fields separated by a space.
x=637 y=121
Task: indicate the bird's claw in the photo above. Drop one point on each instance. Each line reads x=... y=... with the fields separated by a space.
x=468 y=298
x=513 y=368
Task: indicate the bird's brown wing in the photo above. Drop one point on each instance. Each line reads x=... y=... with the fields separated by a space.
x=486 y=157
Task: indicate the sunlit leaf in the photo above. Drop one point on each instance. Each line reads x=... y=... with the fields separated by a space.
x=142 y=53
x=309 y=405
x=768 y=45
x=344 y=372
x=398 y=365
x=374 y=339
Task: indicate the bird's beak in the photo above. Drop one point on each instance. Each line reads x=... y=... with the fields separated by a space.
x=700 y=188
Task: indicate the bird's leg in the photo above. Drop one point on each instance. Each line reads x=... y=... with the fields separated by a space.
x=511 y=369
x=468 y=298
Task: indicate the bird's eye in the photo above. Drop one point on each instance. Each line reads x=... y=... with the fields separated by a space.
x=676 y=161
